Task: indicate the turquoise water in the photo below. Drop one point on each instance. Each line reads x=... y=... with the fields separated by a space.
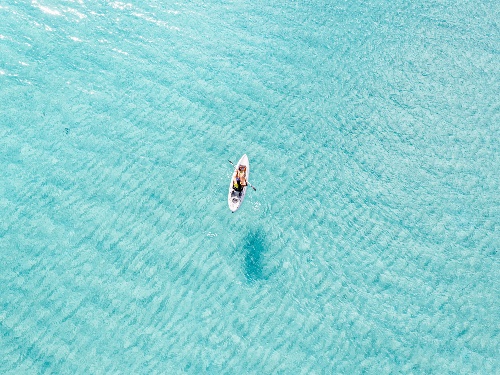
x=370 y=245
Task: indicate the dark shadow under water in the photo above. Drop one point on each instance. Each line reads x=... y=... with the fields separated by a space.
x=254 y=249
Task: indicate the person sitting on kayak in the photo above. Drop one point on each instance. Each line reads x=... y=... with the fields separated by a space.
x=240 y=180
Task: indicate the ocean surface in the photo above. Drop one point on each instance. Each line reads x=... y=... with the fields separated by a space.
x=371 y=243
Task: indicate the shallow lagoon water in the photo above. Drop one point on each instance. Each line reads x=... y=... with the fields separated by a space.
x=370 y=245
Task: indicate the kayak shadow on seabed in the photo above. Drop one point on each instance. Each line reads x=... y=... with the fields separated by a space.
x=254 y=250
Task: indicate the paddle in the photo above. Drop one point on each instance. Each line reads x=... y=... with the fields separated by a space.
x=247 y=181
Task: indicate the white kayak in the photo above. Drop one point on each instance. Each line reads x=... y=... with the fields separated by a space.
x=235 y=197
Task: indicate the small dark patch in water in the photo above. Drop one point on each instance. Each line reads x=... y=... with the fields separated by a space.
x=66 y=130
x=254 y=250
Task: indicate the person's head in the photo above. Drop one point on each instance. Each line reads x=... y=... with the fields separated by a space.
x=242 y=167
